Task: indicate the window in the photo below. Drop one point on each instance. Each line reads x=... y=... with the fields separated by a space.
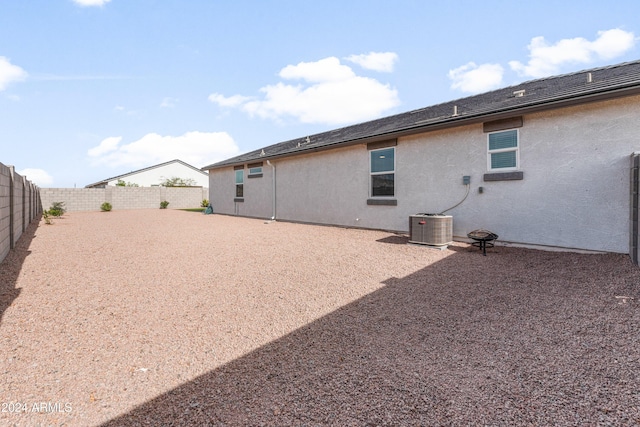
x=255 y=170
x=240 y=183
x=503 y=151
x=383 y=167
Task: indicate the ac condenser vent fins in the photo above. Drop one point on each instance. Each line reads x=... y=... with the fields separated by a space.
x=431 y=229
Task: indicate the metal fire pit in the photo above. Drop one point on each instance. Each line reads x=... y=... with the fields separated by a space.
x=482 y=239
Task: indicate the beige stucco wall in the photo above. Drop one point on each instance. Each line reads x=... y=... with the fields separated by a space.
x=257 y=193
x=575 y=191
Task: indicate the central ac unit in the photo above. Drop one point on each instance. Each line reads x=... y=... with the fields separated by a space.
x=431 y=229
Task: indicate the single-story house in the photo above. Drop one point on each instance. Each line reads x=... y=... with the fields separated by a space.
x=547 y=163
x=154 y=175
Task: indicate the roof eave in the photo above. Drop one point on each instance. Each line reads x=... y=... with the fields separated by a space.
x=124 y=175
x=460 y=120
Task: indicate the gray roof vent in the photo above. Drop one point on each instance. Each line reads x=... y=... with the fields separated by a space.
x=518 y=93
x=589 y=78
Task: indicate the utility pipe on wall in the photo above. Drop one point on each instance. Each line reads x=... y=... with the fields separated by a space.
x=273 y=189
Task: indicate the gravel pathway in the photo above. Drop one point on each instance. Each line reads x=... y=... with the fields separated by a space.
x=172 y=318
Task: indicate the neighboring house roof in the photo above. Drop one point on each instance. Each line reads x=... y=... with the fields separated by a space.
x=106 y=181
x=535 y=95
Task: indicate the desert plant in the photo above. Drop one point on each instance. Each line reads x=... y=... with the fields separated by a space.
x=105 y=207
x=47 y=217
x=57 y=209
x=121 y=183
x=204 y=203
x=164 y=204
x=178 y=182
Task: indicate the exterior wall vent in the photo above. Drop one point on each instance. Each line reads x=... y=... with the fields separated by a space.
x=431 y=229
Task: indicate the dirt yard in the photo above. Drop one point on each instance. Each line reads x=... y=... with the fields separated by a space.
x=164 y=317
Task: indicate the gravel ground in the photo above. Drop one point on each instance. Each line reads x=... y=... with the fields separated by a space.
x=172 y=318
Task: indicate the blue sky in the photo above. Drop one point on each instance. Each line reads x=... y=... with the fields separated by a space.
x=91 y=89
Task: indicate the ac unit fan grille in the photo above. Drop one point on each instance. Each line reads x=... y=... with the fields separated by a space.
x=434 y=230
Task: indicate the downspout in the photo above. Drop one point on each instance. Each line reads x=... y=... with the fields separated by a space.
x=273 y=188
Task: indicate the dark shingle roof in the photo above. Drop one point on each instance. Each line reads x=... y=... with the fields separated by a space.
x=551 y=92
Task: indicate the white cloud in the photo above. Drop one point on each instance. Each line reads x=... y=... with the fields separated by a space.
x=547 y=59
x=330 y=93
x=124 y=110
x=38 y=176
x=10 y=73
x=195 y=148
x=474 y=78
x=168 y=103
x=87 y=3
x=613 y=43
x=228 y=101
x=107 y=145
x=324 y=70
x=377 y=61
x=339 y=102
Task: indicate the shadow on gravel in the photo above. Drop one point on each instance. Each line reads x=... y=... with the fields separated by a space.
x=516 y=338
x=10 y=267
x=395 y=239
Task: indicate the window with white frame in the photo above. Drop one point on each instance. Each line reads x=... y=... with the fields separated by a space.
x=382 y=170
x=255 y=171
x=240 y=183
x=503 y=151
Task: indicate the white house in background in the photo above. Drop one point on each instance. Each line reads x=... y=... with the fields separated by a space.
x=553 y=163
x=154 y=175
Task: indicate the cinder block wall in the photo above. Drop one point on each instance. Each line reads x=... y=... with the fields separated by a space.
x=136 y=197
x=122 y=198
x=634 y=239
x=178 y=198
x=19 y=205
x=5 y=211
x=75 y=199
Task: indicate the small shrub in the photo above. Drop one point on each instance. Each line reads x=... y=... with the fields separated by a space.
x=57 y=209
x=105 y=207
x=204 y=203
x=164 y=204
x=47 y=217
x=175 y=181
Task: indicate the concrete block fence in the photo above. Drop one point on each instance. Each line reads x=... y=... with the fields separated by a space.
x=121 y=198
x=634 y=220
x=19 y=205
